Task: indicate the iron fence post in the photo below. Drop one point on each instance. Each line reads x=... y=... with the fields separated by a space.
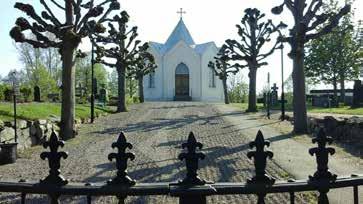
x=192 y=182
x=322 y=177
x=261 y=180
x=92 y=85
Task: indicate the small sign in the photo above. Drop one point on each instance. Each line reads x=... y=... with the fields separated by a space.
x=16 y=88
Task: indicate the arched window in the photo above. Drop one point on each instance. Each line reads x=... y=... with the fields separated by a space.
x=152 y=80
x=182 y=69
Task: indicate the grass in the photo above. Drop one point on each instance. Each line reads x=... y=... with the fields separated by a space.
x=340 y=110
x=32 y=111
x=244 y=106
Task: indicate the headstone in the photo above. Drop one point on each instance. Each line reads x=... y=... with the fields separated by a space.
x=79 y=90
x=53 y=97
x=103 y=95
x=357 y=93
x=274 y=95
x=36 y=94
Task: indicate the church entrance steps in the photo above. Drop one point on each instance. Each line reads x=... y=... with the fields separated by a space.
x=182 y=98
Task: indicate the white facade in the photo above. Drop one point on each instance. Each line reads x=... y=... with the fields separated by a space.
x=197 y=82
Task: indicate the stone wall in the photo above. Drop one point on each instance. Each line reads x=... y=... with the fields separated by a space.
x=29 y=133
x=342 y=129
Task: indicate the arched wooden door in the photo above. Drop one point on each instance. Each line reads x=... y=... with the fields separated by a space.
x=181 y=81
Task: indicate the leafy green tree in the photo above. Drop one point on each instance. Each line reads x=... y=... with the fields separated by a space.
x=308 y=17
x=26 y=93
x=112 y=83
x=43 y=79
x=334 y=58
x=83 y=74
x=68 y=30
x=222 y=68
x=254 y=34
x=237 y=89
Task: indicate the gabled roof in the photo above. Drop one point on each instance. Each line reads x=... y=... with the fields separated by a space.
x=180 y=33
x=200 y=49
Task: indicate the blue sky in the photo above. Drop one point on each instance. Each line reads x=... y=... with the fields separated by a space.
x=207 y=20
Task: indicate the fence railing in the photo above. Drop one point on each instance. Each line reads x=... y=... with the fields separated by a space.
x=192 y=189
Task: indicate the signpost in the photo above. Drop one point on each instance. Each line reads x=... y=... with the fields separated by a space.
x=93 y=86
x=15 y=93
x=268 y=96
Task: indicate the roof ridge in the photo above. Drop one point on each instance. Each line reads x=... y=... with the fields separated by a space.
x=180 y=33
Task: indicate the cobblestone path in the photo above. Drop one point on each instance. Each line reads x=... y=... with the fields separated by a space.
x=156 y=131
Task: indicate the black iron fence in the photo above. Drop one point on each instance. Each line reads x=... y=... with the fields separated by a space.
x=192 y=189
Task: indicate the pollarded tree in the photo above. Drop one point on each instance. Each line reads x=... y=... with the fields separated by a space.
x=254 y=34
x=145 y=64
x=67 y=37
x=308 y=16
x=119 y=47
x=222 y=68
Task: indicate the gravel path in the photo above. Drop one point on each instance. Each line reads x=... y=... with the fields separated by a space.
x=157 y=131
x=291 y=153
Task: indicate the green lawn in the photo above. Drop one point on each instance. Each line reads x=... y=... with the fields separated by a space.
x=244 y=106
x=341 y=110
x=32 y=111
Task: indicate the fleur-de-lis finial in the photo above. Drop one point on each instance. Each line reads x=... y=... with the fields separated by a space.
x=322 y=156
x=121 y=161
x=191 y=160
x=54 y=157
x=260 y=160
x=322 y=177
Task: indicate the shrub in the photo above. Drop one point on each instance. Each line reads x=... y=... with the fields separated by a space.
x=3 y=88
x=26 y=93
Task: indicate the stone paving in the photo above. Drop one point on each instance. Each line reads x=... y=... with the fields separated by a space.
x=156 y=131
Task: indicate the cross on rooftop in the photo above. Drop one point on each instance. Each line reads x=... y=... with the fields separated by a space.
x=181 y=12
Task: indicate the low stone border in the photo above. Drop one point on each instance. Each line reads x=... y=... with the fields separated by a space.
x=31 y=133
x=342 y=129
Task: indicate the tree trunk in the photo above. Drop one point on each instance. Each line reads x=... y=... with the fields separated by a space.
x=121 y=104
x=342 y=88
x=252 y=90
x=226 y=99
x=131 y=91
x=141 y=89
x=68 y=90
x=68 y=78
x=335 y=89
x=299 y=96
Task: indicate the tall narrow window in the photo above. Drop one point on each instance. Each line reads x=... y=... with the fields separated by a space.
x=152 y=80
x=212 y=78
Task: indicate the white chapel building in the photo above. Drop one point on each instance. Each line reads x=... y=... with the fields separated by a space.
x=183 y=72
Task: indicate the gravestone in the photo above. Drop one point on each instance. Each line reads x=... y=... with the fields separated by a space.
x=79 y=90
x=274 y=96
x=53 y=97
x=36 y=94
x=103 y=95
x=357 y=93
